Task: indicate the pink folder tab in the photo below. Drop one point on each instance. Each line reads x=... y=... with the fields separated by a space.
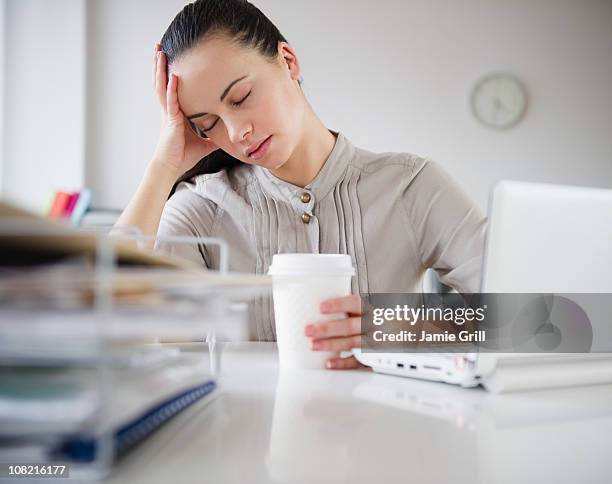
x=71 y=204
x=59 y=204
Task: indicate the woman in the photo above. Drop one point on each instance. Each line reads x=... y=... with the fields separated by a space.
x=258 y=168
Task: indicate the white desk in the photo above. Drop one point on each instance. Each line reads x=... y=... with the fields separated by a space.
x=357 y=426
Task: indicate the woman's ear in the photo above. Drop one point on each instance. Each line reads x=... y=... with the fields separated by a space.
x=289 y=60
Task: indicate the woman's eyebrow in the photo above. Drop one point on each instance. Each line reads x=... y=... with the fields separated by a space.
x=225 y=93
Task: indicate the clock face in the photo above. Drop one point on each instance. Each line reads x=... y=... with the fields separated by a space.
x=499 y=101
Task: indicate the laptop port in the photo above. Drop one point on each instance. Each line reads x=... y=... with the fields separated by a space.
x=400 y=365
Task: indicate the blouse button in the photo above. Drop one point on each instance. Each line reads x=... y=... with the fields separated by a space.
x=305 y=218
x=305 y=197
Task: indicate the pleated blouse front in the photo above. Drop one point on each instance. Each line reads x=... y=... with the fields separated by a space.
x=395 y=214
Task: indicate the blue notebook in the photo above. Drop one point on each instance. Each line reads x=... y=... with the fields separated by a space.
x=131 y=433
x=66 y=414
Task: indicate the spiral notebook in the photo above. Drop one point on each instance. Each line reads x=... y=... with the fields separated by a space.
x=142 y=400
x=67 y=414
x=133 y=432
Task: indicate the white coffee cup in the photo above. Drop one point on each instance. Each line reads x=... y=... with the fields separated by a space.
x=300 y=283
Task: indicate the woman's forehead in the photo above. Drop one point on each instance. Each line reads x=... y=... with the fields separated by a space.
x=206 y=70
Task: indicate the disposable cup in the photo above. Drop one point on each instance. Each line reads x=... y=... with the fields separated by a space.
x=300 y=283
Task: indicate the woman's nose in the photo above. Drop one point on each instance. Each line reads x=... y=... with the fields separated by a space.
x=237 y=130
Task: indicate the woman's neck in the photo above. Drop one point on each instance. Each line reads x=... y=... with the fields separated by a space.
x=309 y=155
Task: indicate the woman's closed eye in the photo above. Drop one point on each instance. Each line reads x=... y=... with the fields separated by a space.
x=238 y=103
x=235 y=104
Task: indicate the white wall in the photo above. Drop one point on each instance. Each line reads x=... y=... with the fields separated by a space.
x=392 y=75
x=44 y=108
x=123 y=118
x=2 y=35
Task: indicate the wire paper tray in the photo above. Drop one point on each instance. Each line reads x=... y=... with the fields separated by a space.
x=80 y=315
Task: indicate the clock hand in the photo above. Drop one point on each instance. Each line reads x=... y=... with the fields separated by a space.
x=496 y=106
x=503 y=107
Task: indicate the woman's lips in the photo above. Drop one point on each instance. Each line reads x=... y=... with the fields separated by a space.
x=262 y=150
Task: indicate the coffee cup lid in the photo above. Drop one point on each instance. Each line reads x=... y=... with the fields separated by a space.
x=312 y=264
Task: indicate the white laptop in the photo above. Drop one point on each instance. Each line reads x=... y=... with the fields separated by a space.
x=540 y=239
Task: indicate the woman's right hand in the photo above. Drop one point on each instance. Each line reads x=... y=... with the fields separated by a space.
x=178 y=147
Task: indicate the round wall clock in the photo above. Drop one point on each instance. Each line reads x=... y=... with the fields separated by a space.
x=499 y=100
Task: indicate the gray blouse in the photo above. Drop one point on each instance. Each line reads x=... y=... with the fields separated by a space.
x=395 y=214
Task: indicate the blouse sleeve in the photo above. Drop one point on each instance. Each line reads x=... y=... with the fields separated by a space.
x=186 y=214
x=448 y=227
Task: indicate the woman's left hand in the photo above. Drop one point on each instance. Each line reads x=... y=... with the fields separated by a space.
x=339 y=334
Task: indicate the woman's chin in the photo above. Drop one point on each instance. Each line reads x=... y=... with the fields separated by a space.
x=269 y=162
x=275 y=166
